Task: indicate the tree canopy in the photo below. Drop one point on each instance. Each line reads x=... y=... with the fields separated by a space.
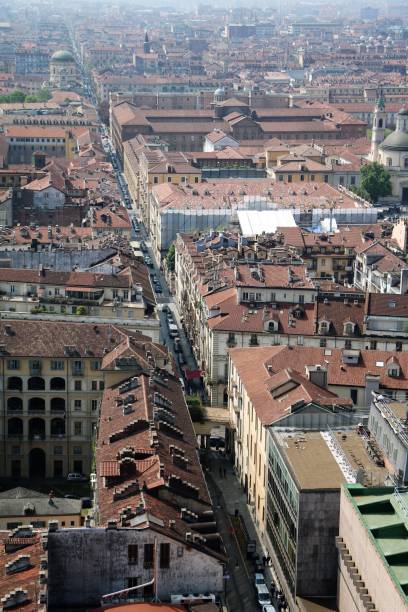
x=171 y=258
x=17 y=96
x=375 y=182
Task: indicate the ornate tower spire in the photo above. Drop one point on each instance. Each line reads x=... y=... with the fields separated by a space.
x=146 y=44
x=378 y=129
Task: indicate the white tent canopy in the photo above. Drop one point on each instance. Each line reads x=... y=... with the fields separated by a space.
x=255 y=222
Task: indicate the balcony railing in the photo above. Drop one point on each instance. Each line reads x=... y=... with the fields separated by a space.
x=73 y=300
x=36 y=436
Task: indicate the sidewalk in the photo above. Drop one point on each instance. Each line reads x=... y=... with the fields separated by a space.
x=234 y=498
x=239 y=587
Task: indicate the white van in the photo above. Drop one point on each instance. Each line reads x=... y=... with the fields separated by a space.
x=264 y=598
x=173 y=329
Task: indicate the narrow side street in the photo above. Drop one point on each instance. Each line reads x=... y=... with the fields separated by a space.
x=228 y=498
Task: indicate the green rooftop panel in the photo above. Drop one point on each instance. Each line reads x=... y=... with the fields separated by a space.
x=385 y=515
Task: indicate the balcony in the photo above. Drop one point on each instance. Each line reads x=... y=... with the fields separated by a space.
x=79 y=298
x=77 y=371
x=36 y=436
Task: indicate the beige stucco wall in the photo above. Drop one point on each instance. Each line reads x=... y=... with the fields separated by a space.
x=369 y=564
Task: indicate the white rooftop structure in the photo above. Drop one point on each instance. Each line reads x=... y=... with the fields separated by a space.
x=328 y=225
x=255 y=222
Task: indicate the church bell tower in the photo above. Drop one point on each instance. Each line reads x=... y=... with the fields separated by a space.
x=378 y=129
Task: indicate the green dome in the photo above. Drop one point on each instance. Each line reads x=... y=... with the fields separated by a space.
x=397 y=141
x=62 y=56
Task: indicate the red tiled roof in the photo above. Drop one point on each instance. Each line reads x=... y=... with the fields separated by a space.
x=148 y=460
x=26 y=579
x=254 y=361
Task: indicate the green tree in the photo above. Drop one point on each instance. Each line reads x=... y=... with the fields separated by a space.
x=17 y=96
x=195 y=408
x=43 y=95
x=171 y=258
x=376 y=181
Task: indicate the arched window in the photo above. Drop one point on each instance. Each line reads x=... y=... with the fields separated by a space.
x=406 y=162
x=36 y=429
x=57 y=404
x=36 y=404
x=36 y=383
x=15 y=404
x=272 y=326
x=15 y=427
x=380 y=123
x=324 y=327
x=57 y=427
x=57 y=384
x=14 y=383
x=389 y=161
x=348 y=328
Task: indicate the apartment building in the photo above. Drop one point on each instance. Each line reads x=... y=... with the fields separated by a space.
x=155 y=532
x=111 y=219
x=145 y=164
x=32 y=60
x=125 y=294
x=284 y=399
x=186 y=130
x=24 y=140
x=350 y=374
x=294 y=168
x=306 y=471
x=388 y=427
x=371 y=543
x=378 y=269
x=52 y=384
x=20 y=506
x=229 y=300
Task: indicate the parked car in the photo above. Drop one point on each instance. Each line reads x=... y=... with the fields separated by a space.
x=268 y=608
x=218 y=442
x=177 y=345
x=158 y=288
x=264 y=598
x=259 y=578
x=76 y=477
x=70 y=497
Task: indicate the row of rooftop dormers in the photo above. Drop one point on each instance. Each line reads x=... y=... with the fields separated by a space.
x=150 y=465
